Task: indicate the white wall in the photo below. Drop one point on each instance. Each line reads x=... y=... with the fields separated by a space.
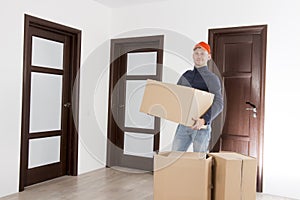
x=192 y=19
x=87 y=15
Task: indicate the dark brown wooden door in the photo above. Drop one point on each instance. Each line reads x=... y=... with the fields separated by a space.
x=133 y=137
x=239 y=53
x=49 y=136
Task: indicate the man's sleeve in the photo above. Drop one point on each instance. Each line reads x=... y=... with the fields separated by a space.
x=183 y=80
x=179 y=82
x=218 y=103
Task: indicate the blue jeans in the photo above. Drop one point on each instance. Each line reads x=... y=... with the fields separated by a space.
x=184 y=136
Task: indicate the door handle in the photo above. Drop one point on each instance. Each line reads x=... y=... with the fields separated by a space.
x=253 y=109
x=251 y=104
x=67 y=105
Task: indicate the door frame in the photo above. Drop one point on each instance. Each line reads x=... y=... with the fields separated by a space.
x=72 y=136
x=261 y=30
x=120 y=47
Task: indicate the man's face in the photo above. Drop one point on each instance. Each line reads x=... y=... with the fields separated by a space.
x=201 y=57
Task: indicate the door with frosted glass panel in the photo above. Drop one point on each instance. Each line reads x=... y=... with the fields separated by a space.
x=47 y=99
x=133 y=137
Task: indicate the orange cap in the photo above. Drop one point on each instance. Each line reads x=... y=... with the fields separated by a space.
x=202 y=45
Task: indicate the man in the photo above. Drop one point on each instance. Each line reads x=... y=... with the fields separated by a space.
x=203 y=79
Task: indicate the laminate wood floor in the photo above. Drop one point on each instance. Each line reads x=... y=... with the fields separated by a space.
x=103 y=184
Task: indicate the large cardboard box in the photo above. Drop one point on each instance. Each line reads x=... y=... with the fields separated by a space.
x=234 y=176
x=175 y=102
x=182 y=176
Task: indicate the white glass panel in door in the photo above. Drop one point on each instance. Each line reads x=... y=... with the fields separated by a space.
x=47 y=53
x=133 y=116
x=45 y=102
x=141 y=63
x=138 y=144
x=44 y=151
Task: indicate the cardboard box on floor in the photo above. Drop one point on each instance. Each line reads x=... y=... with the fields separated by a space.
x=182 y=176
x=175 y=102
x=234 y=176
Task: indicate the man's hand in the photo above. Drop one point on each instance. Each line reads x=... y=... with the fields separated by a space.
x=199 y=123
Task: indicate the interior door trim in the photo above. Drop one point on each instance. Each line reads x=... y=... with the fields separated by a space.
x=72 y=141
x=120 y=47
x=262 y=31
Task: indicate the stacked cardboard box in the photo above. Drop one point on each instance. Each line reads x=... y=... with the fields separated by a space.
x=234 y=176
x=182 y=176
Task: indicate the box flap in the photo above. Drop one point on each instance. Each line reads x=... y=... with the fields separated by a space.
x=231 y=156
x=165 y=159
x=248 y=184
x=182 y=154
x=201 y=102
